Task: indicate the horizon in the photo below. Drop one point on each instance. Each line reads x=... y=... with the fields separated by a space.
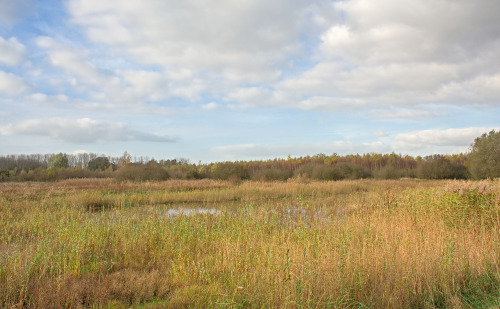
x=251 y=81
x=145 y=159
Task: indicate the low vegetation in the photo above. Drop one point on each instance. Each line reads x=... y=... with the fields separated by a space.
x=276 y=244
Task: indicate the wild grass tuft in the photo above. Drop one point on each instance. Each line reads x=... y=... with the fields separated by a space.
x=348 y=244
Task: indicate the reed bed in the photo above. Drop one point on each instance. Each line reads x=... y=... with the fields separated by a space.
x=212 y=244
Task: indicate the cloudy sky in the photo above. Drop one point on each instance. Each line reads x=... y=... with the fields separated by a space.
x=218 y=80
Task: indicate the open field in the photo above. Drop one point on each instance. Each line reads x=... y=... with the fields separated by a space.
x=347 y=244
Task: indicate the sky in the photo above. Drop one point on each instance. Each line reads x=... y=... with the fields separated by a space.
x=220 y=80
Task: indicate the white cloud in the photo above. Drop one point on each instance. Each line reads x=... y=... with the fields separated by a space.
x=380 y=133
x=457 y=138
x=267 y=151
x=424 y=142
x=250 y=96
x=210 y=106
x=71 y=60
x=83 y=130
x=12 y=52
x=142 y=84
x=408 y=113
x=43 y=98
x=248 y=41
x=12 y=85
x=409 y=30
x=372 y=56
x=395 y=53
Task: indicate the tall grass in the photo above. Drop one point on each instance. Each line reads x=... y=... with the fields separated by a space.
x=375 y=244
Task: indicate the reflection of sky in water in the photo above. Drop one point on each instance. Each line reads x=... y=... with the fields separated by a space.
x=293 y=215
x=189 y=212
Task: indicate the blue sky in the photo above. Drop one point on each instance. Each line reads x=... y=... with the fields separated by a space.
x=247 y=80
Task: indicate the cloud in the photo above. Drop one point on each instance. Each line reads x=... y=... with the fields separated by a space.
x=12 y=11
x=71 y=60
x=457 y=138
x=395 y=53
x=11 y=84
x=238 y=42
x=83 y=130
x=424 y=142
x=43 y=98
x=210 y=106
x=267 y=151
x=310 y=55
x=380 y=133
x=413 y=31
x=12 y=53
x=407 y=113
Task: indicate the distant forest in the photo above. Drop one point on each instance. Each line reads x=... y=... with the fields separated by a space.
x=483 y=161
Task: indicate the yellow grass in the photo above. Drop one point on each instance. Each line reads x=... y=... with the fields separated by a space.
x=349 y=244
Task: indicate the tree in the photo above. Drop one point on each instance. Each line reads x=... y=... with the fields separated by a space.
x=125 y=159
x=100 y=163
x=485 y=156
x=142 y=172
x=440 y=167
x=58 y=161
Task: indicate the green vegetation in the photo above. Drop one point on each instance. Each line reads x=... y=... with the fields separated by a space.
x=485 y=156
x=317 y=167
x=99 y=164
x=141 y=172
x=58 y=161
x=103 y=243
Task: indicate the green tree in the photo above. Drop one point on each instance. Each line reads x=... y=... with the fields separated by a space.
x=58 y=161
x=99 y=163
x=485 y=156
x=439 y=167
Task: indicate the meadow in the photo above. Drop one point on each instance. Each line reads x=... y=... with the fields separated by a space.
x=103 y=243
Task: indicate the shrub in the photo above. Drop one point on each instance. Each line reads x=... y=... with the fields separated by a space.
x=337 y=171
x=141 y=172
x=438 y=167
x=226 y=170
x=270 y=174
x=389 y=172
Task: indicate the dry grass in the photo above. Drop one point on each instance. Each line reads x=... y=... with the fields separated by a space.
x=376 y=244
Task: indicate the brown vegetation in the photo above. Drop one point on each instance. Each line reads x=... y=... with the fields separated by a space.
x=364 y=243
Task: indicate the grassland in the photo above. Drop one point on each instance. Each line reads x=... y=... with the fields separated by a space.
x=213 y=244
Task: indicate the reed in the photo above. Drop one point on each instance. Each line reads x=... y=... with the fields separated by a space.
x=363 y=243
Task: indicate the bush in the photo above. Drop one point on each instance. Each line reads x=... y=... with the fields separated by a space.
x=270 y=174
x=185 y=171
x=438 y=167
x=227 y=170
x=349 y=171
x=305 y=171
x=337 y=171
x=141 y=172
x=389 y=172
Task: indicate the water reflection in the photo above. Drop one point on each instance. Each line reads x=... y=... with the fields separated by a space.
x=181 y=211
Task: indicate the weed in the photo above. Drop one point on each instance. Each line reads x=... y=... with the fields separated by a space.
x=301 y=244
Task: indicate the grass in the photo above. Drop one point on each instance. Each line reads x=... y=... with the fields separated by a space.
x=99 y=243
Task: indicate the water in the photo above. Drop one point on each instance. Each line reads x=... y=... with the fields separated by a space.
x=182 y=211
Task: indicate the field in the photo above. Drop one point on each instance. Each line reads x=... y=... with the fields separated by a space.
x=101 y=243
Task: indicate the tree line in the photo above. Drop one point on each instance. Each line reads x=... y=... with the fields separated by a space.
x=483 y=161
